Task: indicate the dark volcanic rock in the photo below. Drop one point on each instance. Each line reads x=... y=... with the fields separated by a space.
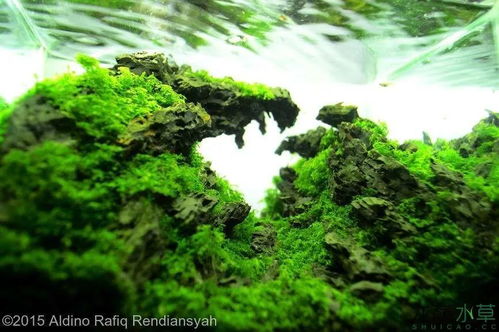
x=35 y=121
x=371 y=208
x=333 y=115
x=232 y=214
x=230 y=110
x=142 y=234
x=389 y=178
x=292 y=201
x=263 y=240
x=360 y=168
x=354 y=263
x=173 y=129
x=306 y=145
x=468 y=144
x=193 y=210
x=465 y=206
x=149 y=63
x=380 y=217
x=367 y=290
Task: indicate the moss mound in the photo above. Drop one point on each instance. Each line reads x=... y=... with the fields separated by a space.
x=107 y=207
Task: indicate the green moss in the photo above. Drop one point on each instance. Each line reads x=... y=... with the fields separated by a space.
x=480 y=169
x=61 y=200
x=5 y=111
x=166 y=174
x=3 y=105
x=245 y=89
x=432 y=266
x=377 y=131
x=313 y=174
x=259 y=306
x=273 y=205
x=299 y=249
x=417 y=159
x=43 y=192
x=103 y=104
x=329 y=138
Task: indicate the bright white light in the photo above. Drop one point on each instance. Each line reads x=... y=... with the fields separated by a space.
x=20 y=69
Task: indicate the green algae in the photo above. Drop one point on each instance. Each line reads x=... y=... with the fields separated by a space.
x=361 y=235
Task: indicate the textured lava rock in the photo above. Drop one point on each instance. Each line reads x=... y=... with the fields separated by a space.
x=193 y=210
x=333 y=115
x=230 y=109
x=150 y=63
x=293 y=202
x=362 y=167
x=351 y=262
x=306 y=145
x=263 y=240
x=174 y=129
x=233 y=214
x=371 y=208
x=141 y=231
x=36 y=120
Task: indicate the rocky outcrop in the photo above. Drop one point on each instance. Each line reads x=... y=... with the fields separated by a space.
x=103 y=195
x=230 y=109
x=193 y=210
x=175 y=129
x=353 y=263
x=306 y=145
x=335 y=114
x=264 y=238
x=293 y=202
x=232 y=214
x=360 y=167
x=397 y=214
x=140 y=229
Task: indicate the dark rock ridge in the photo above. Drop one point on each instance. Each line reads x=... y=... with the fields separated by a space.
x=306 y=145
x=174 y=129
x=230 y=109
x=361 y=167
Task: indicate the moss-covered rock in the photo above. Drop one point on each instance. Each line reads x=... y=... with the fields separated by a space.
x=306 y=145
x=231 y=104
x=409 y=226
x=335 y=114
x=107 y=207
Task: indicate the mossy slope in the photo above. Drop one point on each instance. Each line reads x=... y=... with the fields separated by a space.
x=407 y=227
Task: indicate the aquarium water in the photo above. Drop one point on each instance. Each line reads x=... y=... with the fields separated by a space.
x=410 y=64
